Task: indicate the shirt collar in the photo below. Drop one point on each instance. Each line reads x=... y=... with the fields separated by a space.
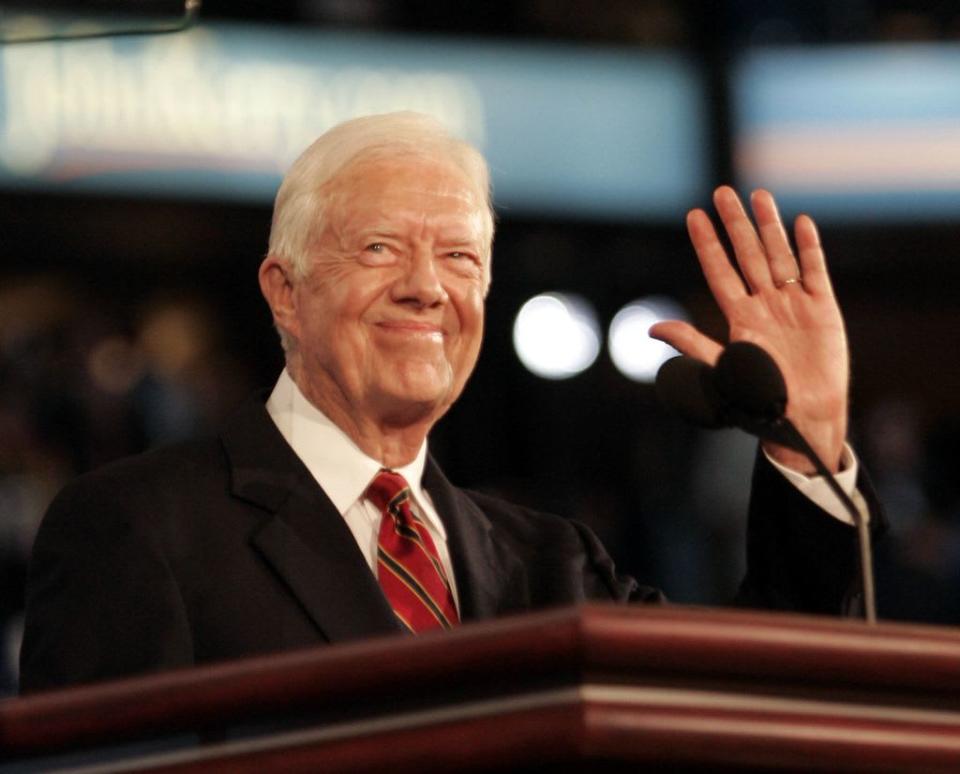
x=341 y=468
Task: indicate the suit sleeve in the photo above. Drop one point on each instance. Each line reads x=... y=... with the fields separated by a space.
x=799 y=558
x=601 y=581
x=102 y=601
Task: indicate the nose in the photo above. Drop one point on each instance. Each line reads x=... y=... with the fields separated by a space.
x=420 y=283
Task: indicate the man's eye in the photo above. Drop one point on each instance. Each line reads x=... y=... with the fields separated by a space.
x=376 y=247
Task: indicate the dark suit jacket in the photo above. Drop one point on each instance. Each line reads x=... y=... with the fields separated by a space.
x=225 y=548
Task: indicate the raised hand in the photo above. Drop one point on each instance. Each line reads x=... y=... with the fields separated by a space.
x=782 y=304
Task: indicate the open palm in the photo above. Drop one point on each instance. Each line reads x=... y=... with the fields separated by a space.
x=784 y=303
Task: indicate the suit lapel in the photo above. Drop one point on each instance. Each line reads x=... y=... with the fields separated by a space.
x=304 y=539
x=484 y=570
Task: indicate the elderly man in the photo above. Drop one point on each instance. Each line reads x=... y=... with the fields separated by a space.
x=318 y=515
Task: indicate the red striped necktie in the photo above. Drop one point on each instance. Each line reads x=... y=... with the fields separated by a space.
x=408 y=566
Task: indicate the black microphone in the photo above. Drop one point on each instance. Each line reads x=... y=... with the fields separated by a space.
x=685 y=386
x=750 y=382
x=746 y=390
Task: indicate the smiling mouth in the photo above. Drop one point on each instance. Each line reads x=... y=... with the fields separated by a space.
x=414 y=329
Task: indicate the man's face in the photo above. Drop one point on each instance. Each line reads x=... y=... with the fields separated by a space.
x=389 y=318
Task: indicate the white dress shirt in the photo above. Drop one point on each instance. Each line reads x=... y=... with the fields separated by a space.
x=344 y=472
x=816 y=488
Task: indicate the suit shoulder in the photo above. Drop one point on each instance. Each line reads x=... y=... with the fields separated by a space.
x=161 y=466
x=148 y=480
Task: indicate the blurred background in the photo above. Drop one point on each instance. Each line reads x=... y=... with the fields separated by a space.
x=136 y=180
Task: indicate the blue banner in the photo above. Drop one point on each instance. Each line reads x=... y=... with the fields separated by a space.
x=852 y=133
x=220 y=111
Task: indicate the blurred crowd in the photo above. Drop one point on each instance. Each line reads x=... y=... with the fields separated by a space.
x=83 y=382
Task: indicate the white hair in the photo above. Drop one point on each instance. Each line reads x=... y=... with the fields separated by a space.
x=299 y=210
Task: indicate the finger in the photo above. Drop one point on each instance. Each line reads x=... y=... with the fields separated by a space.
x=722 y=278
x=685 y=338
x=813 y=263
x=751 y=256
x=782 y=264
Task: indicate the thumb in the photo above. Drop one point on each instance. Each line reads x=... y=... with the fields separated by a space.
x=688 y=340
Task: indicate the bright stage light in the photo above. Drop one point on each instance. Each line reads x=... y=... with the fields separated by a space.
x=556 y=336
x=633 y=352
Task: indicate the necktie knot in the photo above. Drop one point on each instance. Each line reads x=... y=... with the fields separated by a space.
x=387 y=490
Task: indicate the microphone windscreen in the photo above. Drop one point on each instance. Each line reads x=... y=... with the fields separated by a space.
x=685 y=386
x=748 y=379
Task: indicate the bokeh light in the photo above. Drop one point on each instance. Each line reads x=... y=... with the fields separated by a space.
x=634 y=353
x=556 y=335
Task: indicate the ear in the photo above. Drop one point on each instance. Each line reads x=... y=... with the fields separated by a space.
x=277 y=286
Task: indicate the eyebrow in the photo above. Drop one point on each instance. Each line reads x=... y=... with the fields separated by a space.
x=379 y=232
x=390 y=232
x=459 y=239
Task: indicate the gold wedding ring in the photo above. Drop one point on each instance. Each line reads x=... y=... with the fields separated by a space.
x=788 y=281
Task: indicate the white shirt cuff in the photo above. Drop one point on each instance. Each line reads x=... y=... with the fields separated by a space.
x=815 y=488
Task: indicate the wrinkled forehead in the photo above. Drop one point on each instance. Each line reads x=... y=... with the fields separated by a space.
x=417 y=186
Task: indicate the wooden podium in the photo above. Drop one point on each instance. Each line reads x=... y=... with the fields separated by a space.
x=594 y=688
